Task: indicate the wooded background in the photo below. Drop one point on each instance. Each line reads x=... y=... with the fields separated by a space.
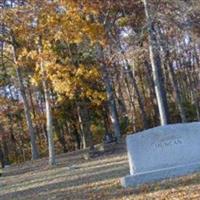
x=73 y=71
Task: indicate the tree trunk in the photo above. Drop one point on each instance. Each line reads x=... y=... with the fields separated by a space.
x=83 y=117
x=149 y=77
x=1 y=157
x=77 y=137
x=49 y=123
x=172 y=75
x=110 y=95
x=34 y=150
x=156 y=68
x=177 y=92
x=60 y=135
x=112 y=104
x=139 y=97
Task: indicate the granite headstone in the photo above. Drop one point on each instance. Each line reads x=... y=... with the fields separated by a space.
x=163 y=152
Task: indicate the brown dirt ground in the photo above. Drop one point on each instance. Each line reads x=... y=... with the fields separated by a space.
x=74 y=178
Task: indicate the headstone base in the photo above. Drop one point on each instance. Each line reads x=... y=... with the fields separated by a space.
x=157 y=175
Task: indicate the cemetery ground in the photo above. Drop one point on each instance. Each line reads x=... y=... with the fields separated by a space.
x=76 y=178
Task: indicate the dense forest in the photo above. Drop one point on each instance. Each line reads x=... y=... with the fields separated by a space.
x=76 y=72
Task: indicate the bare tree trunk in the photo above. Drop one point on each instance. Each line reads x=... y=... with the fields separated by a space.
x=156 y=67
x=49 y=123
x=29 y=122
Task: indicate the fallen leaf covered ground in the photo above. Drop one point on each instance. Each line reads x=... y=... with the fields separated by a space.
x=75 y=178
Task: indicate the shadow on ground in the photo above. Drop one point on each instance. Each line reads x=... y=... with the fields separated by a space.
x=93 y=179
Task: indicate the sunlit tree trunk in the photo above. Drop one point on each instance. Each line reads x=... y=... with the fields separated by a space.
x=156 y=67
x=49 y=125
x=49 y=122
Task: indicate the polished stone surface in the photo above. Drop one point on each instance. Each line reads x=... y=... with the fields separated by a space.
x=163 y=152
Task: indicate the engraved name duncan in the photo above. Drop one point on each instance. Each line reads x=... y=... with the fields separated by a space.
x=168 y=143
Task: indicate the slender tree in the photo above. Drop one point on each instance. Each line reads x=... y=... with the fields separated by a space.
x=156 y=65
